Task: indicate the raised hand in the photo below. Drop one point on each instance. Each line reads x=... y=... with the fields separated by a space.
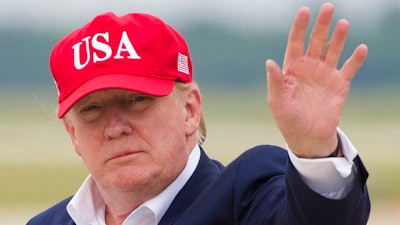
x=307 y=95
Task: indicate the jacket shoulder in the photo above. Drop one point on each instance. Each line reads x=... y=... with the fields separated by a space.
x=56 y=215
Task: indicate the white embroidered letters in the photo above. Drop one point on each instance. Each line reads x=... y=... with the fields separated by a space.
x=128 y=48
x=102 y=50
x=77 y=57
x=101 y=47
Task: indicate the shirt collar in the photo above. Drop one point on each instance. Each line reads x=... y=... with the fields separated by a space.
x=87 y=205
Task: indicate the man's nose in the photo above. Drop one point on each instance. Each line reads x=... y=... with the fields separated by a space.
x=117 y=125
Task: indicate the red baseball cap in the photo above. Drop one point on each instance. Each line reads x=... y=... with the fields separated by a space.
x=136 y=52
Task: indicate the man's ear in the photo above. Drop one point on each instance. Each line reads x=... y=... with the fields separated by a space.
x=71 y=131
x=193 y=111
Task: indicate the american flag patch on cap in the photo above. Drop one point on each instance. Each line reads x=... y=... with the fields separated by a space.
x=183 y=63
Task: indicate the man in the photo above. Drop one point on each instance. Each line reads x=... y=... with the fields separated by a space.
x=129 y=103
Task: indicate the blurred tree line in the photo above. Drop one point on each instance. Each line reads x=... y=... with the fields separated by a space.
x=221 y=57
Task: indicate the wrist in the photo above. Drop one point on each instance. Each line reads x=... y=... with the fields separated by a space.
x=338 y=151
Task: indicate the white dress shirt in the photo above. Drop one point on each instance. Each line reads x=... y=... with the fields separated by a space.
x=330 y=177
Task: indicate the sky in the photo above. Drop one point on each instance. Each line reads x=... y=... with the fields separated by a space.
x=256 y=15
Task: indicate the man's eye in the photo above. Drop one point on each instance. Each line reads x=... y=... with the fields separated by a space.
x=140 y=98
x=139 y=102
x=90 y=108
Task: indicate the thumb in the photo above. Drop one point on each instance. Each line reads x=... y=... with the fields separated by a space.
x=274 y=78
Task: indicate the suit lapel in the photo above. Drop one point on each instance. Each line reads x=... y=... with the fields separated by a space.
x=206 y=172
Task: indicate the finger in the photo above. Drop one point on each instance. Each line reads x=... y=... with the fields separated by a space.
x=336 y=44
x=320 y=31
x=274 y=79
x=295 y=45
x=355 y=61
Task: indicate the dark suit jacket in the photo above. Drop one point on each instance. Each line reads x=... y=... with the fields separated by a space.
x=259 y=187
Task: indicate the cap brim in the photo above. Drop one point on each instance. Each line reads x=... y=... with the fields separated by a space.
x=141 y=84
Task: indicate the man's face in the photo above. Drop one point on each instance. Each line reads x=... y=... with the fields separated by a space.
x=131 y=141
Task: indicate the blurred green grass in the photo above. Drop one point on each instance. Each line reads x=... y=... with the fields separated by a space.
x=38 y=164
x=38 y=184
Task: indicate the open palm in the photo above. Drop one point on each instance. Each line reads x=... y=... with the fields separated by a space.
x=307 y=95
